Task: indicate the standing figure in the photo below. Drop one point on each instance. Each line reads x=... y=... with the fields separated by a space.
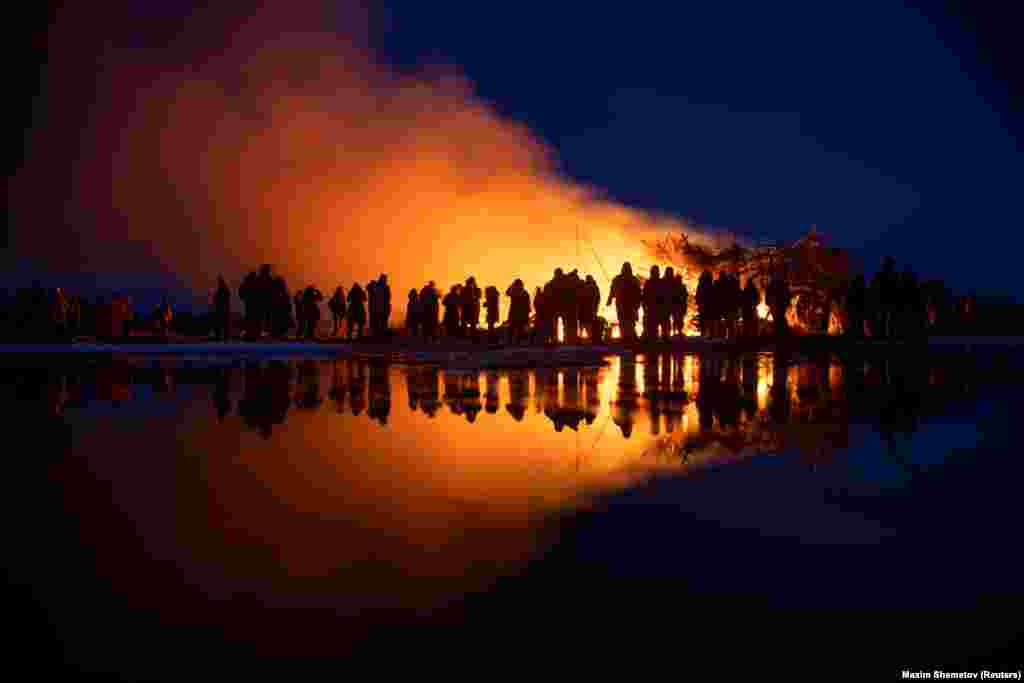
x=470 y=306
x=885 y=295
x=452 y=302
x=383 y=305
x=751 y=300
x=222 y=310
x=74 y=315
x=311 y=299
x=491 y=303
x=282 y=309
x=356 y=313
x=373 y=304
x=625 y=292
x=518 y=311
x=664 y=295
x=430 y=305
x=337 y=308
x=250 y=299
x=652 y=310
x=60 y=313
x=856 y=306
x=589 y=303
x=680 y=302
x=165 y=316
x=300 y=315
x=413 y=314
x=705 y=303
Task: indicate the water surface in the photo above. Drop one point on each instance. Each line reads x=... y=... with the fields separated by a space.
x=294 y=506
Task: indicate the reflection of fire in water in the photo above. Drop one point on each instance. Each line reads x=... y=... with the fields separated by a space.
x=561 y=330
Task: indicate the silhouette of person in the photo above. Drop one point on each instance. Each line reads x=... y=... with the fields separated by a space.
x=590 y=303
x=491 y=304
x=470 y=307
x=383 y=296
x=665 y=297
x=264 y=293
x=222 y=310
x=430 y=308
x=678 y=301
x=300 y=314
x=59 y=313
x=380 y=393
x=541 y=318
x=650 y=302
x=250 y=300
x=413 y=314
x=856 y=306
x=572 y=294
x=356 y=310
x=453 y=303
x=337 y=308
x=751 y=300
x=885 y=294
x=311 y=299
x=705 y=298
x=74 y=315
x=165 y=318
x=518 y=311
x=626 y=293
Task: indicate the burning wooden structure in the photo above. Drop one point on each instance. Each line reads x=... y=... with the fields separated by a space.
x=818 y=275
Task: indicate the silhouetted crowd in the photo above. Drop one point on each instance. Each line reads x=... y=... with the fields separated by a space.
x=566 y=308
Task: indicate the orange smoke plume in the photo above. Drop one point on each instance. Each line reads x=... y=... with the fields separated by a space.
x=280 y=141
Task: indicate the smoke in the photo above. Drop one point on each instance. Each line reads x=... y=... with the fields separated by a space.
x=278 y=140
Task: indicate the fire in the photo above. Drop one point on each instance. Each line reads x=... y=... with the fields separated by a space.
x=762 y=311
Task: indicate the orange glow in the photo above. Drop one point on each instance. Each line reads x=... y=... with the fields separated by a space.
x=763 y=310
x=292 y=146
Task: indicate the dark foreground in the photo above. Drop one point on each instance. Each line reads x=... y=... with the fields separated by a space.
x=180 y=521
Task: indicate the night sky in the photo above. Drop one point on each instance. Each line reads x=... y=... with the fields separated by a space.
x=893 y=129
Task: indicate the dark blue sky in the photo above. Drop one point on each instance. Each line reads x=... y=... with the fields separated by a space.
x=892 y=128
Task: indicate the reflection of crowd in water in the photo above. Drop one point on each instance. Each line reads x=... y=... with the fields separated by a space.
x=737 y=398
